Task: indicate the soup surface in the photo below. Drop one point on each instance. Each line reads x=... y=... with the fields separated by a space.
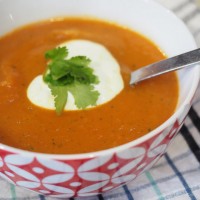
x=132 y=114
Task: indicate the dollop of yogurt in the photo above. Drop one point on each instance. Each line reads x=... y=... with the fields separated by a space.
x=105 y=67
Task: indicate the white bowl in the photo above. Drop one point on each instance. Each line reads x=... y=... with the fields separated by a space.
x=96 y=172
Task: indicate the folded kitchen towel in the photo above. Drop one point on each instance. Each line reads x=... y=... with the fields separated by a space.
x=177 y=174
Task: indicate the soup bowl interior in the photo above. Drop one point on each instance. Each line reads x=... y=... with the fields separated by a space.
x=97 y=172
x=166 y=31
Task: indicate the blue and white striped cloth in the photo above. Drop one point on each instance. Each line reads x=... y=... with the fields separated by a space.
x=177 y=175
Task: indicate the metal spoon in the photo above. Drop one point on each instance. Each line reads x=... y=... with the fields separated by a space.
x=188 y=59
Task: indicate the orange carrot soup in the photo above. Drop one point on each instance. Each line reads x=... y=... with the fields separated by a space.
x=132 y=113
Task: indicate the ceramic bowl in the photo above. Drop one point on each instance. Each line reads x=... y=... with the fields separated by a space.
x=98 y=172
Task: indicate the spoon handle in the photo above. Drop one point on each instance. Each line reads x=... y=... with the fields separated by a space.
x=175 y=63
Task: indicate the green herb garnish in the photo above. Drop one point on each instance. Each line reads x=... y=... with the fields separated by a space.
x=70 y=75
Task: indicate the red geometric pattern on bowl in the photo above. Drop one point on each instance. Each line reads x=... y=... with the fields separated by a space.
x=84 y=177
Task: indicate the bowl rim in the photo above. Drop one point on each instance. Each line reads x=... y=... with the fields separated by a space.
x=136 y=142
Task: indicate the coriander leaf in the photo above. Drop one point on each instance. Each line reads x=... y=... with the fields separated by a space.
x=70 y=75
x=68 y=79
x=82 y=61
x=59 y=68
x=84 y=75
x=57 y=53
x=60 y=94
x=84 y=95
